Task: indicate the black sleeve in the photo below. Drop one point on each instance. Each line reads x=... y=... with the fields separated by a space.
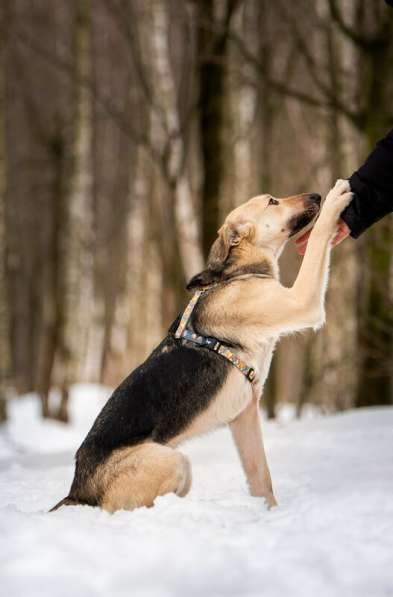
x=372 y=185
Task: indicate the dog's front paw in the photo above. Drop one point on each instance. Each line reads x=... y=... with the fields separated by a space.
x=271 y=501
x=338 y=197
x=336 y=201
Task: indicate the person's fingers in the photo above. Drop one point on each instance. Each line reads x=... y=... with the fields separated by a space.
x=301 y=242
x=342 y=232
x=303 y=238
x=301 y=249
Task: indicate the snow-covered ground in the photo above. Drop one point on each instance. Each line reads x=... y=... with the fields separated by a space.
x=332 y=534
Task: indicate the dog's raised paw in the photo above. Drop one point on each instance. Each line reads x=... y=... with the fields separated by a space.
x=337 y=200
x=342 y=185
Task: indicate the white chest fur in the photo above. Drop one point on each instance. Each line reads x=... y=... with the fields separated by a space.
x=233 y=397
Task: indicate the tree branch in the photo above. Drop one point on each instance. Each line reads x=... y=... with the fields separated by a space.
x=285 y=89
x=365 y=44
x=122 y=123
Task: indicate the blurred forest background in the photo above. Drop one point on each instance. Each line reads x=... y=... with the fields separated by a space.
x=129 y=128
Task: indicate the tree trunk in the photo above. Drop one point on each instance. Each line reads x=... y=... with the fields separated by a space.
x=212 y=52
x=38 y=167
x=112 y=160
x=5 y=347
x=375 y=324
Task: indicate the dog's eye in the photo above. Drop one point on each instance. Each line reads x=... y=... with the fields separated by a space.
x=273 y=201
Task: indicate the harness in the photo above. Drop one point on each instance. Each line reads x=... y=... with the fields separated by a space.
x=210 y=342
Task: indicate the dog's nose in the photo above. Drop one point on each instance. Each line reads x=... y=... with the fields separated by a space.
x=315 y=198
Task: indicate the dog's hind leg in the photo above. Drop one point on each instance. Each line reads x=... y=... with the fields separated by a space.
x=134 y=477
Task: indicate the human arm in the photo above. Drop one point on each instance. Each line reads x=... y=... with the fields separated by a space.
x=372 y=186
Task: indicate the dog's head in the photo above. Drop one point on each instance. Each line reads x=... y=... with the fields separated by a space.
x=263 y=221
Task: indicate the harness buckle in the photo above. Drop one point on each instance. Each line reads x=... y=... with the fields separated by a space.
x=251 y=374
x=217 y=346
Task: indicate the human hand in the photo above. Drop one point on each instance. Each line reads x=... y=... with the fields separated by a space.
x=341 y=233
x=337 y=199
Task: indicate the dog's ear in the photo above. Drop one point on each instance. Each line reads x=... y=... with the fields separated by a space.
x=229 y=235
x=220 y=248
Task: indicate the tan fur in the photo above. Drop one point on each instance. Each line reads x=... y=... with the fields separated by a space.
x=254 y=313
x=230 y=235
x=139 y=474
x=246 y=431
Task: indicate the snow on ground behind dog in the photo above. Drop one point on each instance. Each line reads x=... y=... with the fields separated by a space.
x=332 y=534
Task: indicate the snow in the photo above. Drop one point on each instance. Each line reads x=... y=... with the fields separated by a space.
x=332 y=534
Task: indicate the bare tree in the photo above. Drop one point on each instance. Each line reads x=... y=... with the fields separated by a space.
x=39 y=168
x=213 y=42
x=5 y=346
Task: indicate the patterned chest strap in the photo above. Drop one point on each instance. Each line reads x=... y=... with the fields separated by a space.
x=187 y=314
x=209 y=342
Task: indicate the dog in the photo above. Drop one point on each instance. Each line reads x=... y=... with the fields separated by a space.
x=186 y=387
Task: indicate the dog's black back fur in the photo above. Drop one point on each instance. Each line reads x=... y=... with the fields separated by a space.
x=157 y=401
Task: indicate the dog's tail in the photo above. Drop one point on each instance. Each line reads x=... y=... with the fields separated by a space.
x=67 y=501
